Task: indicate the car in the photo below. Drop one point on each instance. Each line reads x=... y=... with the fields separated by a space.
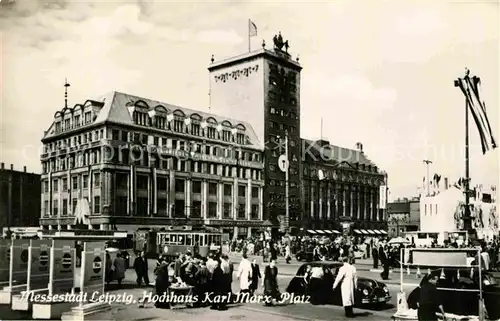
x=304 y=256
x=124 y=253
x=452 y=280
x=368 y=292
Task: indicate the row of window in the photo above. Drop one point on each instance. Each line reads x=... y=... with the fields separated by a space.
x=178 y=210
x=429 y=207
x=283 y=113
x=282 y=98
x=88 y=137
x=70 y=161
x=73 y=122
x=179 y=144
x=77 y=181
x=191 y=127
x=281 y=126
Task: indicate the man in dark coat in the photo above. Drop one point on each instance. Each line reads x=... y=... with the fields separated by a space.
x=255 y=277
x=141 y=269
x=384 y=258
x=375 y=251
x=219 y=287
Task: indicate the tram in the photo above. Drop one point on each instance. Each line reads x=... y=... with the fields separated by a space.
x=174 y=240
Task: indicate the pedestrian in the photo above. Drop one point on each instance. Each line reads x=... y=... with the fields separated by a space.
x=120 y=268
x=161 y=285
x=375 y=256
x=270 y=283
x=141 y=269
x=109 y=268
x=384 y=258
x=219 y=288
x=349 y=282
x=245 y=274
x=429 y=301
x=288 y=254
x=227 y=271
x=316 y=285
x=255 y=277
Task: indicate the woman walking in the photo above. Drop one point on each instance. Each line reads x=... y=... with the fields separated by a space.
x=270 y=283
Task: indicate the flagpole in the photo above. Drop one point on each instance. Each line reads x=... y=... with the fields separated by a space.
x=249 y=46
x=468 y=226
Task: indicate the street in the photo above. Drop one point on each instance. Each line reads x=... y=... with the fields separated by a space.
x=254 y=311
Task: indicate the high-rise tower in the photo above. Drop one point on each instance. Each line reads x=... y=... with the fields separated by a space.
x=263 y=88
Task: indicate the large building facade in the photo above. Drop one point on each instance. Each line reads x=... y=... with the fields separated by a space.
x=19 y=198
x=125 y=162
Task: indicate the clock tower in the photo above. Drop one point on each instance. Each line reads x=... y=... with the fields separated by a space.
x=263 y=88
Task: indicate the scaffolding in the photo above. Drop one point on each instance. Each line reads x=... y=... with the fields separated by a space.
x=439 y=258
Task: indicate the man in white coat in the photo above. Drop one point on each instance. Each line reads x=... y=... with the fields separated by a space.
x=349 y=282
x=245 y=274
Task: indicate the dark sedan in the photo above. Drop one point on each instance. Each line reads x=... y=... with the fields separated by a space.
x=459 y=292
x=368 y=292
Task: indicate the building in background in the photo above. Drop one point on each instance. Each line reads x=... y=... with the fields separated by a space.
x=403 y=215
x=441 y=213
x=342 y=185
x=125 y=162
x=20 y=198
x=263 y=87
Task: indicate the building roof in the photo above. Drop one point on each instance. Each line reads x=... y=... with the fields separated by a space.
x=323 y=150
x=398 y=207
x=115 y=110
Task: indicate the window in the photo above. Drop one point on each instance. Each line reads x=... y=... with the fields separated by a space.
x=56 y=186
x=179 y=186
x=272 y=96
x=196 y=209
x=212 y=188
x=85 y=181
x=142 y=182
x=211 y=133
x=227 y=210
x=228 y=190
x=87 y=117
x=73 y=206
x=242 y=191
x=77 y=120
x=240 y=139
x=64 y=184
x=58 y=127
x=179 y=208
x=196 y=187
x=121 y=205
x=161 y=183
x=97 y=179
x=241 y=211
x=255 y=192
x=97 y=204
x=46 y=207
x=226 y=135
x=255 y=212
x=65 y=207
x=46 y=186
x=272 y=111
x=142 y=206
x=56 y=208
x=67 y=124
x=178 y=124
x=212 y=209
x=273 y=124
x=195 y=129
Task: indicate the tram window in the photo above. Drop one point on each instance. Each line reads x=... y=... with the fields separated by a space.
x=167 y=238
x=196 y=239
x=189 y=239
x=181 y=240
x=205 y=240
x=173 y=239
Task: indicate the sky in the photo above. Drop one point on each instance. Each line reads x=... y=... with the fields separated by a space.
x=377 y=72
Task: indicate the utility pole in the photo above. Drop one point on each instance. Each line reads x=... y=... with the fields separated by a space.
x=287 y=206
x=427 y=178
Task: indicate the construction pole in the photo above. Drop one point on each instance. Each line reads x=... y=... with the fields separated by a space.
x=427 y=178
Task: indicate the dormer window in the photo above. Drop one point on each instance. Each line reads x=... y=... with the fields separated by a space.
x=211 y=132
x=88 y=117
x=141 y=118
x=67 y=124
x=195 y=129
x=77 y=120
x=178 y=124
x=160 y=122
x=240 y=138
x=58 y=127
x=226 y=135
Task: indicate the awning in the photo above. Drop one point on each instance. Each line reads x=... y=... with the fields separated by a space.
x=328 y=231
x=377 y=232
x=335 y=231
x=311 y=231
x=320 y=232
x=371 y=232
x=364 y=232
x=357 y=231
x=382 y=232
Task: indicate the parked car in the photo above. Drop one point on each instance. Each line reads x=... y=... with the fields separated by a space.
x=304 y=256
x=368 y=292
x=452 y=280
